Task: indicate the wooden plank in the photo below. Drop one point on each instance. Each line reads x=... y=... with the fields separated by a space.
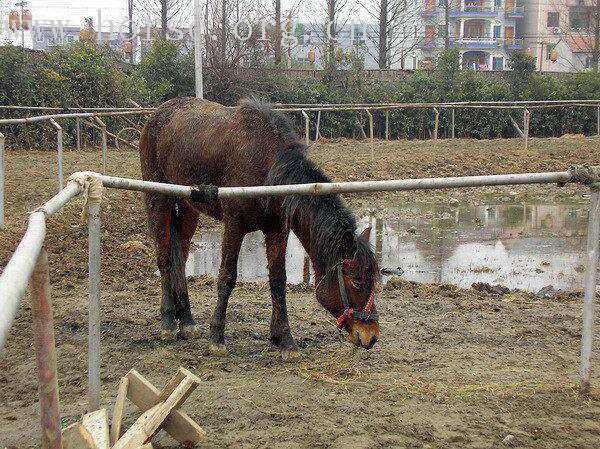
x=150 y=422
x=115 y=428
x=77 y=437
x=96 y=423
x=173 y=402
x=181 y=374
x=178 y=424
x=136 y=435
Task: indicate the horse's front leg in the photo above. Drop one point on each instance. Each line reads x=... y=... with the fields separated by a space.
x=281 y=335
x=233 y=235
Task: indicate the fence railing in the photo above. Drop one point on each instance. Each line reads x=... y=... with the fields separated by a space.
x=96 y=114
x=29 y=263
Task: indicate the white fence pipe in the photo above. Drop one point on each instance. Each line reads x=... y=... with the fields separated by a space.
x=2 y=147
x=94 y=307
x=42 y=118
x=591 y=272
x=59 y=145
x=344 y=187
x=16 y=274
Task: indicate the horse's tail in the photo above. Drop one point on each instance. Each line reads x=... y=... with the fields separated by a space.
x=177 y=256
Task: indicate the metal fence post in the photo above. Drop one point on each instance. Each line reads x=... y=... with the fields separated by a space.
x=2 y=145
x=370 y=124
x=452 y=129
x=318 y=133
x=104 y=143
x=306 y=126
x=526 y=127
x=436 y=125
x=598 y=121
x=45 y=353
x=59 y=138
x=593 y=256
x=78 y=130
x=94 y=307
x=387 y=124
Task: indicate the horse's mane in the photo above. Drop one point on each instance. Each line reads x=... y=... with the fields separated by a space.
x=333 y=226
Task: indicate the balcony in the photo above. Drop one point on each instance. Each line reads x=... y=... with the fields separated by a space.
x=434 y=43
x=515 y=12
x=472 y=9
x=476 y=10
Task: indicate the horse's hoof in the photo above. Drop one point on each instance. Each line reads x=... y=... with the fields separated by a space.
x=290 y=355
x=218 y=349
x=190 y=332
x=167 y=335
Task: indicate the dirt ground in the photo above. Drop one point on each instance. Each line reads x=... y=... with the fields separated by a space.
x=454 y=368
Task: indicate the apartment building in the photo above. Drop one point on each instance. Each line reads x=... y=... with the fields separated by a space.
x=484 y=32
x=559 y=34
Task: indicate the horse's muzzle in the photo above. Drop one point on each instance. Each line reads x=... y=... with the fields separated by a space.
x=364 y=335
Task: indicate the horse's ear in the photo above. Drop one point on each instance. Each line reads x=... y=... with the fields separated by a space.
x=366 y=234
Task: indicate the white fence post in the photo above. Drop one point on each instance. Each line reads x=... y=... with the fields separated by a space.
x=94 y=307
x=2 y=145
x=59 y=138
x=78 y=134
x=591 y=272
x=306 y=127
x=104 y=143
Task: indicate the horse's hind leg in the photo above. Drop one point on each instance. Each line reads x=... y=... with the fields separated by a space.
x=159 y=208
x=181 y=237
x=281 y=335
x=172 y=224
x=233 y=235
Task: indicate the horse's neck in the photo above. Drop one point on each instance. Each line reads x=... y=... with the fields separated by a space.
x=303 y=229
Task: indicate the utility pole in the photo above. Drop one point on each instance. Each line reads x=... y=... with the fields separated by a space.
x=446 y=25
x=130 y=14
x=198 y=49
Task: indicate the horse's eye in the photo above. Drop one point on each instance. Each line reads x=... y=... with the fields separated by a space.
x=356 y=284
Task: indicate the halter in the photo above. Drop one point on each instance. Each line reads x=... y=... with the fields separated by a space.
x=364 y=315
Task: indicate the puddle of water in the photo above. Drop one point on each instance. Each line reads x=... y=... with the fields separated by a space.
x=520 y=246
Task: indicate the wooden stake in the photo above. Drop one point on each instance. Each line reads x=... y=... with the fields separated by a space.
x=96 y=423
x=115 y=428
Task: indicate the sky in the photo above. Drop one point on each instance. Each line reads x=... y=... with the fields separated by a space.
x=75 y=11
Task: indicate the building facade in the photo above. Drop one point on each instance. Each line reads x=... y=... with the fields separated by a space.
x=560 y=34
x=484 y=32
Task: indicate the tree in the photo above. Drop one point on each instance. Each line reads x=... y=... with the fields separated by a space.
x=172 y=13
x=391 y=17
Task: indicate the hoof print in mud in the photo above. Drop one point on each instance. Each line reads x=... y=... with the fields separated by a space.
x=168 y=335
x=290 y=355
x=218 y=349
x=189 y=332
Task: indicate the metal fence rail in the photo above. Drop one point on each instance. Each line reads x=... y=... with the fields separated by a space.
x=29 y=263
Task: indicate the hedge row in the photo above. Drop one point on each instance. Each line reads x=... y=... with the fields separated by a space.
x=85 y=75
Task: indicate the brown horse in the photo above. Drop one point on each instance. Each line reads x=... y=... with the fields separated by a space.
x=191 y=142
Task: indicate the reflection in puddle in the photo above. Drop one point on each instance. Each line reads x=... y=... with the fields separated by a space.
x=521 y=246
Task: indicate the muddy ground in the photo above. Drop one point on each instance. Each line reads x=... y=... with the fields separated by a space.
x=454 y=368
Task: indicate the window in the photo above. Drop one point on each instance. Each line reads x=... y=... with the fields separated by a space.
x=497 y=3
x=498 y=63
x=497 y=31
x=553 y=19
x=579 y=17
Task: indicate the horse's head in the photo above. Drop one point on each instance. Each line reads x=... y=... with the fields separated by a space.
x=349 y=288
